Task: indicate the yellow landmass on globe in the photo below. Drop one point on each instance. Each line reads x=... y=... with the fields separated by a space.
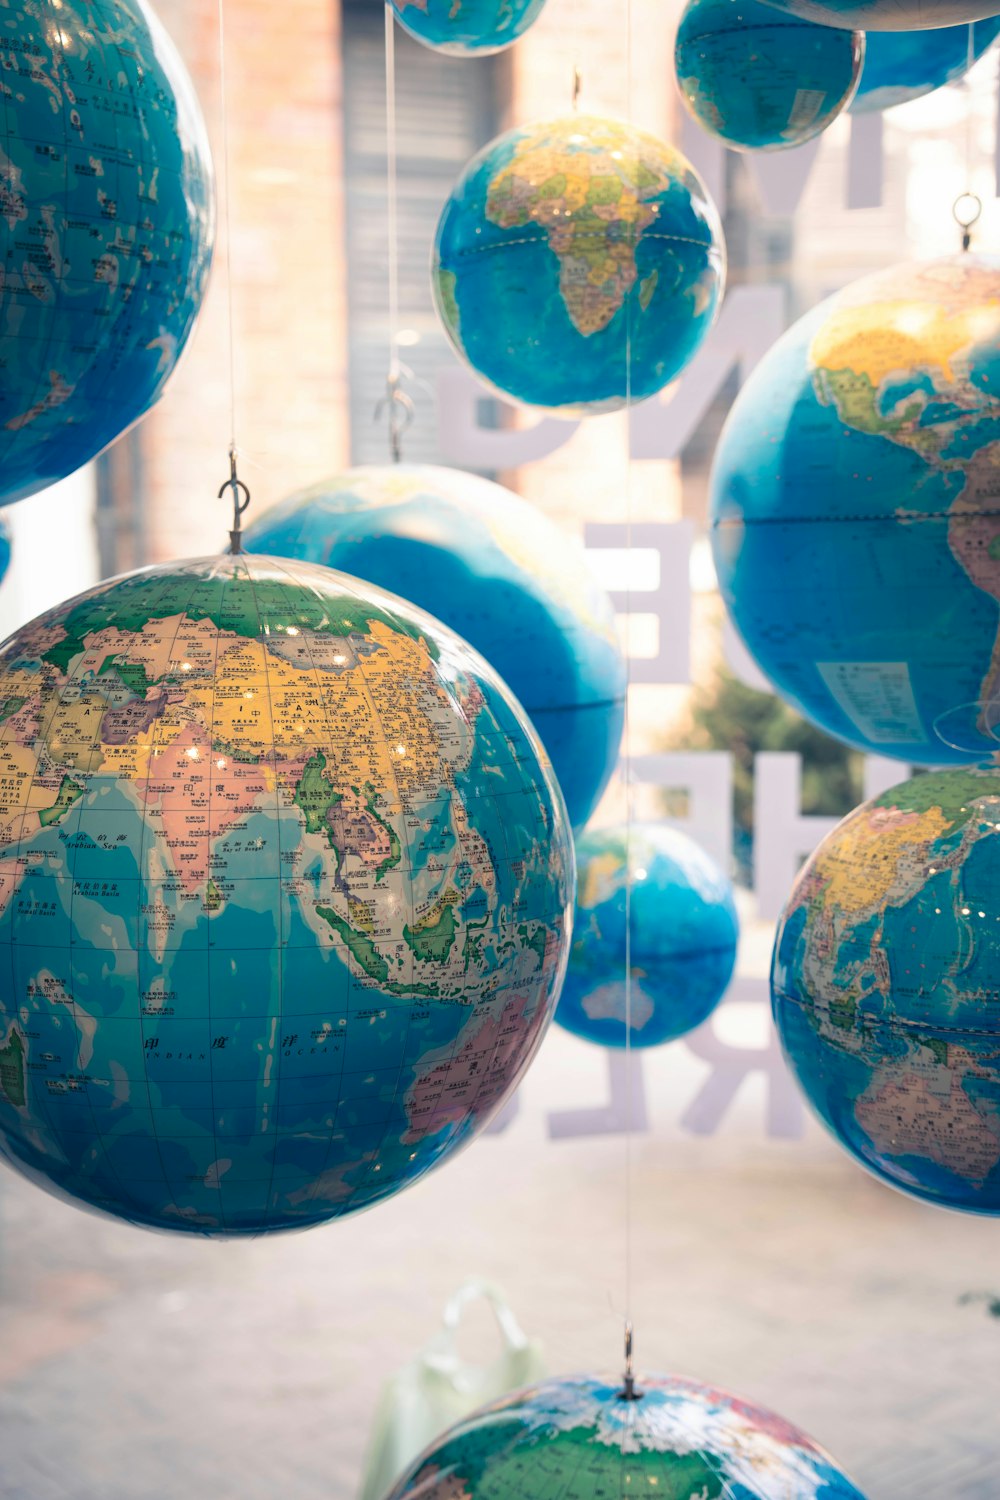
x=877 y=851
x=887 y=338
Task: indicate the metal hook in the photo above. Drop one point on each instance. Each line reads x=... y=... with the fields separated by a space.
x=967 y=215
x=239 y=489
x=401 y=412
x=629 y=1392
x=577 y=84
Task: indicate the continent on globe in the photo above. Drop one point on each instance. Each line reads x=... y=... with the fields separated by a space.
x=576 y=1437
x=889 y=15
x=106 y=188
x=854 y=518
x=285 y=888
x=904 y=65
x=886 y=986
x=467 y=28
x=578 y=263
x=500 y=574
x=761 y=80
x=654 y=886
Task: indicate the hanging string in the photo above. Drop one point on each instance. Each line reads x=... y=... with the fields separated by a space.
x=395 y=403
x=240 y=493
x=968 y=206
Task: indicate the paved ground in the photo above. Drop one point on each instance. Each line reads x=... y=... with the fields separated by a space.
x=134 y=1367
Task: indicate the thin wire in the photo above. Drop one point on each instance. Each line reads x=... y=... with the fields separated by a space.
x=391 y=191
x=969 y=103
x=227 y=216
x=628 y=763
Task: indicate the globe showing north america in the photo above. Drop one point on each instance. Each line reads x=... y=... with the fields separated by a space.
x=107 y=195
x=579 y=263
x=576 y=1439
x=285 y=896
x=886 y=986
x=854 y=519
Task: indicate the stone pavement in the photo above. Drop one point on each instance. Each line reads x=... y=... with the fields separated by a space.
x=139 y=1367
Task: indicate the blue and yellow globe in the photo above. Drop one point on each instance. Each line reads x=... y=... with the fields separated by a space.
x=886 y=986
x=904 y=65
x=854 y=517
x=467 y=28
x=759 y=79
x=578 y=262
x=500 y=574
x=576 y=1439
x=285 y=890
x=889 y=15
x=684 y=934
x=106 y=187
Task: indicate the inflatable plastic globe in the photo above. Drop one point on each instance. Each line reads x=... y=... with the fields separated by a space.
x=854 y=516
x=284 y=883
x=576 y=1439
x=467 y=28
x=500 y=574
x=886 y=986
x=904 y=65
x=576 y=262
x=759 y=79
x=889 y=15
x=684 y=932
x=106 y=188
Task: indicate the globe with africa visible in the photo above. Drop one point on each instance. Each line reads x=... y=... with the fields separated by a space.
x=886 y=986
x=579 y=263
x=285 y=888
x=854 y=517
x=576 y=1439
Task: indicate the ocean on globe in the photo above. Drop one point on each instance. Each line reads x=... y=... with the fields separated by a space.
x=6 y=548
x=886 y=986
x=285 y=896
x=576 y=1439
x=500 y=574
x=854 y=517
x=759 y=79
x=106 y=188
x=578 y=263
x=684 y=933
x=904 y=65
x=889 y=15
x=467 y=28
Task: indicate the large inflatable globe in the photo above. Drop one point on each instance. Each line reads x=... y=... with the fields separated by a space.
x=106 y=189
x=578 y=263
x=854 y=515
x=500 y=574
x=889 y=15
x=576 y=1439
x=758 y=79
x=886 y=986
x=284 y=896
x=467 y=28
x=904 y=65
x=684 y=932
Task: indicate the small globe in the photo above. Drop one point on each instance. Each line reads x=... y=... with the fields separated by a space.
x=500 y=574
x=684 y=932
x=889 y=15
x=886 y=986
x=578 y=263
x=904 y=65
x=576 y=1439
x=761 y=80
x=467 y=28
x=106 y=187
x=284 y=896
x=854 y=517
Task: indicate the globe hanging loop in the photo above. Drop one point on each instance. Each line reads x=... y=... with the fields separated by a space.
x=966 y=211
x=400 y=409
x=241 y=499
x=628 y=1391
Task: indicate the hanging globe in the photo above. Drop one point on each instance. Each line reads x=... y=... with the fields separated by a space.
x=678 y=908
x=888 y=15
x=904 y=65
x=284 y=887
x=854 y=516
x=106 y=188
x=577 y=1439
x=760 y=80
x=886 y=986
x=578 y=263
x=500 y=574
x=467 y=28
